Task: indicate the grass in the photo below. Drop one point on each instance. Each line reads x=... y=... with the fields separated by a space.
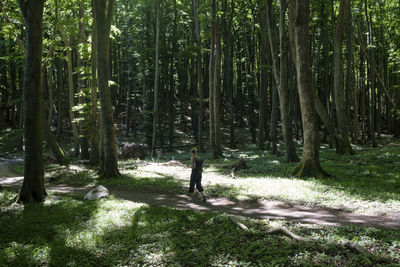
x=366 y=183
x=110 y=232
x=66 y=231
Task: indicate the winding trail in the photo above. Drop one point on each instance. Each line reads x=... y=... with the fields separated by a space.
x=262 y=210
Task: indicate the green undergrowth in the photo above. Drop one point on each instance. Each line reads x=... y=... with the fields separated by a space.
x=367 y=182
x=64 y=231
x=10 y=141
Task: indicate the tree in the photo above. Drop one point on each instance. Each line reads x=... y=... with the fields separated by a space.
x=94 y=137
x=66 y=34
x=281 y=76
x=32 y=189
x=156 y=80
x=199 y=71
x=309 y=164
x=214 y=75
x=344 y=146
x=108 y=152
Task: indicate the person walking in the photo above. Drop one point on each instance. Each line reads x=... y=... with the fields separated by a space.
x=195 y=177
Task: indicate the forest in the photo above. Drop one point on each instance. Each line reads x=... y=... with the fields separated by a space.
x=294 y=106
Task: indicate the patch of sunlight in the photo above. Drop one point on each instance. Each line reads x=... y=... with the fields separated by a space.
x=154 y=258
x=76 y=168
x=227 y=260
x=275 y=162
x=111 y=215
x=155 y=170
x=255 y=156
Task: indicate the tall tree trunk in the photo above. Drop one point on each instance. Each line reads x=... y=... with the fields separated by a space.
x=199 y=83
x=262 y=88
x=341 y=113
x=371 y=77
x=109 y=160
x=211 y=79
x=217 y=90
x=274 y=118
x=71 y=94
x=281 y=76
x=48 y=136
x=283 y=88
x=83 y=126
x=156 y=80
x=172 y=94
x=32 y=189
x=362 y=88
x=94 y=132
x=60 y=88
x=51 y=97
x=228 y=56
x=309 y=164
x=350 y=74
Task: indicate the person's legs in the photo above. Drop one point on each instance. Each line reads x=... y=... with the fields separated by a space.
x=200 y=187
x=191 y=185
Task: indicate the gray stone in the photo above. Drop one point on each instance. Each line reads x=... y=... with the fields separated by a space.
x=97 y=193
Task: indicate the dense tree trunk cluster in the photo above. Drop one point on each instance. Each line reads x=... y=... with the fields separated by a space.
x=198 y=73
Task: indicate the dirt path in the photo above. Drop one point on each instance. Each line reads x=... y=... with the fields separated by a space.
x=262 y=209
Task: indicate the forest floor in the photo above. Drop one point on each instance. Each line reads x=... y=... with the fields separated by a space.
x=264 y=209
x=149 y=219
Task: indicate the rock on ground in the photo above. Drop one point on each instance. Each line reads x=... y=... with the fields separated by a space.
x=97 y=193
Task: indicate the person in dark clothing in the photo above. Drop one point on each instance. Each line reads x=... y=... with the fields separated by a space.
x=195 y=177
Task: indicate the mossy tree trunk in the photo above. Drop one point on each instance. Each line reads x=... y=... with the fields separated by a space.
x=309 y=165
x=103 y=15
x=32 y=189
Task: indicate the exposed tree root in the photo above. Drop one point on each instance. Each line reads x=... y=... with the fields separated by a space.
x=107 y=174
x=285 y=232
x=307 y=168
x=238 y=224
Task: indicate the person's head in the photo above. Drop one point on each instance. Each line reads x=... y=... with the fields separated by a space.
x=193 y=152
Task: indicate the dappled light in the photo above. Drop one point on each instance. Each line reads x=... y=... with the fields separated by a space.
x=199 y=133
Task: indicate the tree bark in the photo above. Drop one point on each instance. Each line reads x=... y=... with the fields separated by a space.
x=74 y=124
x=341 y=113
x=60 y=88
x=156 y=80
x=350 y=76
x=32 y=189
x=83 y=126
x=48 y=136
x=199 y=83
x=309 y=164
x=371 y=78
x=94 y=132
x=211 y=78
x=262 y=86
x=217 y=152
x=281 y=76
x=108 y=159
